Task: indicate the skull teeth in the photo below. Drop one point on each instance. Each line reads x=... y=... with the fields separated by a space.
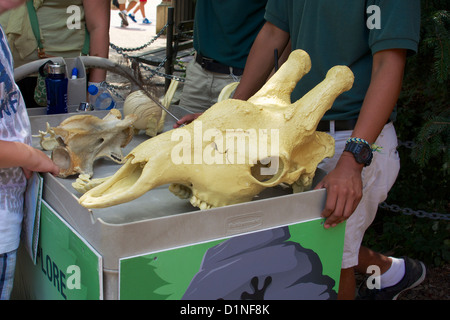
x=180 y=190
x=184 y=192
x=203 y=205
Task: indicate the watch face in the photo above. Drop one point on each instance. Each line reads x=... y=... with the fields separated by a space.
x=363 y=154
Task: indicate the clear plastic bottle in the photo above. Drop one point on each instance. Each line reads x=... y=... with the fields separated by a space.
x=100 y=97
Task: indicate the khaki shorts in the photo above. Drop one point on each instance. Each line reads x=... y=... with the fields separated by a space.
x=378 y=178
x=202 y=87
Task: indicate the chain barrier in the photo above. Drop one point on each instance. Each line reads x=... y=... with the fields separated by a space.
x=154 y=72
x=409 y=211
x=120 y=50
x=114 y=88
x=417 y=213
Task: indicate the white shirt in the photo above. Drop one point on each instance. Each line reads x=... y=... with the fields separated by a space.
x=14 y=126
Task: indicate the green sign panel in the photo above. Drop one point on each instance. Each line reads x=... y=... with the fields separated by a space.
x=300 y=261
x=67 y=268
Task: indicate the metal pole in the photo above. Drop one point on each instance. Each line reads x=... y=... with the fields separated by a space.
x=169 y=46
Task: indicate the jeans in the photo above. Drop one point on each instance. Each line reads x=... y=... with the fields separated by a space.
x=7 y=268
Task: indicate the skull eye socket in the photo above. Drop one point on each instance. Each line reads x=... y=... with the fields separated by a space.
x=61 y=158
x=268 y=170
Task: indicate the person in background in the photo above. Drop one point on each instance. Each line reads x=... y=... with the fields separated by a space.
x=373 y=38
x=68 y=29
x=18 y=159
x=141 y=7
x=123 y=12
x=224 y=32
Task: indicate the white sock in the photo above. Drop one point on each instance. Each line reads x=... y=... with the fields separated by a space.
x=394 y=274
x=125 y=11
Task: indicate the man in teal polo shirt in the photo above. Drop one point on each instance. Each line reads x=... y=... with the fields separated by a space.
x=224 y=32
x=373 y=38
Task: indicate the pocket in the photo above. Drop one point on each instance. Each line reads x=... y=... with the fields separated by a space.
x=383 y=171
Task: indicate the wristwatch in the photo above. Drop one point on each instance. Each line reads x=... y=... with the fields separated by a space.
x=361 y=151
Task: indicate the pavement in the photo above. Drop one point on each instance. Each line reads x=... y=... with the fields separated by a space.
x=133 y=36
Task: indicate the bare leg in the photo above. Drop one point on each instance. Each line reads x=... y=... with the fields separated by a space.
x=131 y=6
x=347 y=284
x=369 y=258
x=142 y=8
x=366 y=258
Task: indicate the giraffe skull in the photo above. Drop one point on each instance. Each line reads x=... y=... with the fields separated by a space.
x=212 y=172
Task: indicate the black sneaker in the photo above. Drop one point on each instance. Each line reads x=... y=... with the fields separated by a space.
x=123 y=16
x=414 y=275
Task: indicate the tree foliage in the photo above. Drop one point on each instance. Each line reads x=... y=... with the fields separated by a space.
x=425 y=113
x=423 y=118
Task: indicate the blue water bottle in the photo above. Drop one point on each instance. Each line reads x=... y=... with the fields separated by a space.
x=100 y=97
x=56 y=84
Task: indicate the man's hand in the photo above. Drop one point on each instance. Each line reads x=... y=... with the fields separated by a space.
x=344 y=190
x=344 y=183
x=186 y=119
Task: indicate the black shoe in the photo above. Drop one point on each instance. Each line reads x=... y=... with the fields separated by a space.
x=414 y=275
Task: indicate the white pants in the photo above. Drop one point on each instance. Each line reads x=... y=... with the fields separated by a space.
x=377 y=179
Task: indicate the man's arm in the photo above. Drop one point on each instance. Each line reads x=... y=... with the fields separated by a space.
x=260 y=61
x=344 y=184
x=97 y=15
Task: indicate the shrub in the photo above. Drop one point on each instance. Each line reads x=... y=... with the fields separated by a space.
x=423 y=118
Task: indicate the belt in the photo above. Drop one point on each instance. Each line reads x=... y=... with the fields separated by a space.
x=215 y=66
x=336 y=125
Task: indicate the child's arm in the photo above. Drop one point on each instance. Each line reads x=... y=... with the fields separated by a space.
x=17 y=154
x=343 y=184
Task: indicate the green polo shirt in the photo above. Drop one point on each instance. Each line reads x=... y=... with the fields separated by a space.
x=345 y=32
x=225 y=30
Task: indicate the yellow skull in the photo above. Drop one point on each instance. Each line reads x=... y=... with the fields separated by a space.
x=236 y=148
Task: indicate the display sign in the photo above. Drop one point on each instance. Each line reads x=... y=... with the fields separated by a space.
x=66 y=268
x=32 y=213
x=299 y=261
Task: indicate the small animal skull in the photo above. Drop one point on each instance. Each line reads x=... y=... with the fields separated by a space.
x=150 y=116
x=85 y=138
x=223 y=181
